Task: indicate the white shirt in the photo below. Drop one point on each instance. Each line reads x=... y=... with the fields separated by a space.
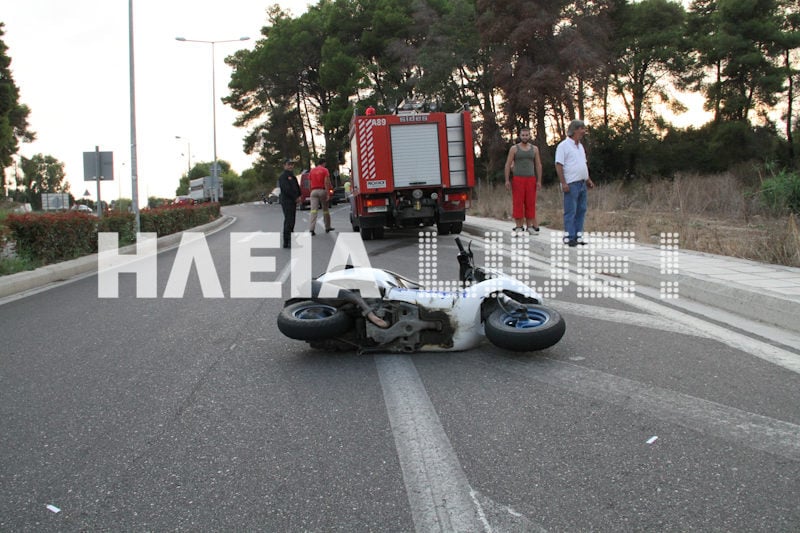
x=572 y=157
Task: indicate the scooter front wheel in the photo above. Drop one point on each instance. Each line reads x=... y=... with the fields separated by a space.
x=538 y=328
x=313 y=321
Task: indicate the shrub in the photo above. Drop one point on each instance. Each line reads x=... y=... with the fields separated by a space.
x=53 y=237
x=120 y=223
x=171 y=219
x=781 y=192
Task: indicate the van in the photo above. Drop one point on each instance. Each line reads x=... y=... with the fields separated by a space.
x=305 y=190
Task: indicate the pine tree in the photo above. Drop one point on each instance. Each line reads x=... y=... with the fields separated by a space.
x=13 y=115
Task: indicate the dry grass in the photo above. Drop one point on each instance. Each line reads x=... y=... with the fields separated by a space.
x=715 y=214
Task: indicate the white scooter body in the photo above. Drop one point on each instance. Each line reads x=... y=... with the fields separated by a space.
x=462 y=306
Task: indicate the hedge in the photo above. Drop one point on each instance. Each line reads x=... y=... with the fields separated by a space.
x=54 y=237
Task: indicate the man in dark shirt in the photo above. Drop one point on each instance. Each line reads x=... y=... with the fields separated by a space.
x=290 y=197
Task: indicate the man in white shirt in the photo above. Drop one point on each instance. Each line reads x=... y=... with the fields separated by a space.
x=573 y=172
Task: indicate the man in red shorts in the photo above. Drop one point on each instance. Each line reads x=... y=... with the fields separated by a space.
x=524 y=160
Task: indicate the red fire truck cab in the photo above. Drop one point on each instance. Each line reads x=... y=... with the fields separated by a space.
x=411 y=170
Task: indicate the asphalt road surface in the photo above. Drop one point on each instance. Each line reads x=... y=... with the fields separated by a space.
x=190 y=411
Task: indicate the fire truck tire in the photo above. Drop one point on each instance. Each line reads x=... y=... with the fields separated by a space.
x=353 y=223
x=367 y=233
x=443 y=229
x=456 y=227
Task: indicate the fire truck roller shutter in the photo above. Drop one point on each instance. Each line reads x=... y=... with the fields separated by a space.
x=415 y=155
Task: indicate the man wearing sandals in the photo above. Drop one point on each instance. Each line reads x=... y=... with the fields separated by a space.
x=523 y=159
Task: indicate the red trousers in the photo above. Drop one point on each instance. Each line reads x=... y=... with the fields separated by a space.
x=523 y=197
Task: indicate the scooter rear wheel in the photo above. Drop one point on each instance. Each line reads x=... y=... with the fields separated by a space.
x=313 y=321
x=540 y=329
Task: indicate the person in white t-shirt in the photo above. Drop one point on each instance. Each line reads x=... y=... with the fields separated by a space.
x=573 y=172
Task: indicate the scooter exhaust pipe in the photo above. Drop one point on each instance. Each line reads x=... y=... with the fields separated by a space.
x=352 y=297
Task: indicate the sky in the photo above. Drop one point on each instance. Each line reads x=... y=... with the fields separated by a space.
x=70 y=61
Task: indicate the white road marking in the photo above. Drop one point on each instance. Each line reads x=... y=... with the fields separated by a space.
x=706 y=417
x=437 y=488
x=677 y=321
x=286 y=271
x=623 y=317
x=439 y=493
x=739 y=341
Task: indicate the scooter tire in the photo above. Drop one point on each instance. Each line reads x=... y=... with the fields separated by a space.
x=543 y=328
x=313 y=321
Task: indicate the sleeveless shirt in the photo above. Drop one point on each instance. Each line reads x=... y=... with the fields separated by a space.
x=523 y=162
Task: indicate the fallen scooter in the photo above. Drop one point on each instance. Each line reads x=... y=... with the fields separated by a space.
x=402 y=316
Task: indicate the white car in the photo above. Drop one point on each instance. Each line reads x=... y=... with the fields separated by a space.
x=83 y=209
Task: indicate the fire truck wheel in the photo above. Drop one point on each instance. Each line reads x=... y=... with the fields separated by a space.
x=456 y=227
x=443 y=229
x=366 y=234
x=353 y=223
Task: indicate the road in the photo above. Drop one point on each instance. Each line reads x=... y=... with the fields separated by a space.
x=195 y=413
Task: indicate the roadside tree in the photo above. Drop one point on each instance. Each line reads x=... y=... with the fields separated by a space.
x=41 y=173
x=13 y=114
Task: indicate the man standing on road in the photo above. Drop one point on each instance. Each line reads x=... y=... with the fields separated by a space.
x=523 y=159
x=290 y=197
x=320 y=182
x=573 y=172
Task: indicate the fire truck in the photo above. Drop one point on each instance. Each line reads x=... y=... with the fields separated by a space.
x=410 y=170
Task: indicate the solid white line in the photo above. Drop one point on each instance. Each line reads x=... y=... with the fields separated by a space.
x=286 y=271
x=680 y=322
x=706 y=417
x=623 y=317
x=438 y=491
x=439 y=494
x=762 y=350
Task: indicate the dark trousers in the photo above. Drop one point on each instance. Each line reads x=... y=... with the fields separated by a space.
x=289 y=215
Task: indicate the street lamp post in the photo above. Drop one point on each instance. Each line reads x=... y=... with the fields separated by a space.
x=215 y=166
x=188 y=154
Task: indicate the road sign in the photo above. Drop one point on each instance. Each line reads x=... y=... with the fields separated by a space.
x=91 y=166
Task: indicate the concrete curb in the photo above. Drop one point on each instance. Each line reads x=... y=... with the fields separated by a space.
x=25 y=281
x=760 y=305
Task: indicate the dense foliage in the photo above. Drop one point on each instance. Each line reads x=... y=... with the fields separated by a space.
x=13 y=114
x=616 y=63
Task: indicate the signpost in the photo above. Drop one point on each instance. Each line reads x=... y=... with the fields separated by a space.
x=55 y=201
x=98 y=166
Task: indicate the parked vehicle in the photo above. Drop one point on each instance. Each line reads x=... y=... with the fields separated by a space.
x=202 y=189
x=338 y=196
x=274 y=197
x=410 y=169
x=305 y=189
x=183 y=200
x=404 y=317
x=81 y=208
